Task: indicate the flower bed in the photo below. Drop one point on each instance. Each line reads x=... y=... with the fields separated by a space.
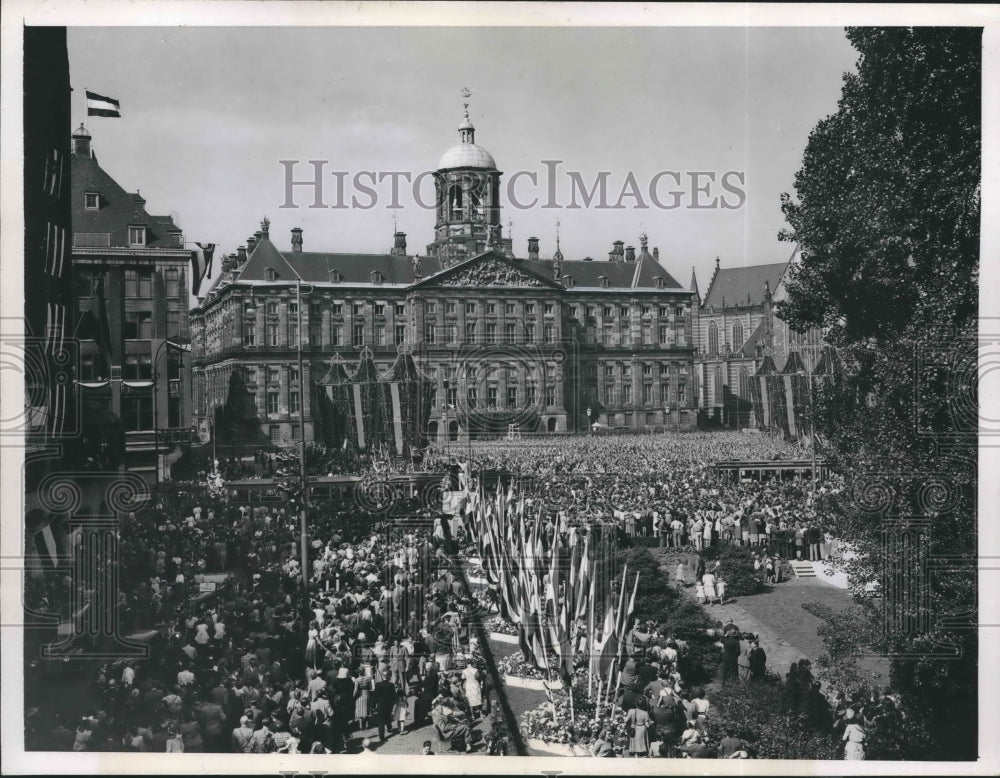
x=538 y=724
x=500 y=625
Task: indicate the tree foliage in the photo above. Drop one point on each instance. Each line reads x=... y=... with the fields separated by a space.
x=887 y=219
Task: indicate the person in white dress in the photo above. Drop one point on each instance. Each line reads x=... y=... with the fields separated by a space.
x=473 y=690
x=708 y=581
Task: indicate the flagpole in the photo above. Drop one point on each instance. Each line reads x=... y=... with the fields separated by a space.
x=621 y=637
x=590 y=641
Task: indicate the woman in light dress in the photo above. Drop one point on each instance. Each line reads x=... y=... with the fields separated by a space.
x=854 y=738
x=699 y=592
x=473 y=689
x=312 y=645
x=679 y=576
x=639 y=721
x=708 y=581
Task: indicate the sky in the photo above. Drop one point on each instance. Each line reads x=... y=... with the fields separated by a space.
x=209 y=113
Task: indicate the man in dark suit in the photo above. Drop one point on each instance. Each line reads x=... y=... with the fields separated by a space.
x=384 y=701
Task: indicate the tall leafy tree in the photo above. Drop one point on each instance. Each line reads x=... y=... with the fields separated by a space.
x=887 y=213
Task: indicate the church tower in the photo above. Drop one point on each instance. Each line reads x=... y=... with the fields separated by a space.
x=467 y=192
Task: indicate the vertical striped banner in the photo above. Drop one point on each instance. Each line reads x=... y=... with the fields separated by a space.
x=359 y=415
x=790 y=405
x=397 y=419
x=765 y=403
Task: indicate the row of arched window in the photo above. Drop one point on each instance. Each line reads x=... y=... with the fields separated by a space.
x=713 y=337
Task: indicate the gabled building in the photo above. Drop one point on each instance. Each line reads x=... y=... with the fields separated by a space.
x=131 y=269
x=736 y=328
x=525 y=343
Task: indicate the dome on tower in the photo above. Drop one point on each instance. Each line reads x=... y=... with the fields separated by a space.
x=467 y=155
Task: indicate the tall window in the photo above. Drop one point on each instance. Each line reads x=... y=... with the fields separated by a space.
x=550 y=396
x=511 y=396
x=272 y=402
x=491 y=333
x=664 y=334
x=472 y=396
x=531 y=395
x=337 y=335
x=429 y=334
x=452 y=399
x=400 y=333
x=379 y=334
x=293 y=334
x=172 y=276
x=272 y=333
x=626 y=393
x=491 y=397
x=529 y=331
x=647 y=394
x=718 y=386
x=274 y=432
x=470 y=331
x=737 y=335
x=713 y=338
x=550 y=333
x=293 y=402
x=609 y=395
x=664 y=392
x=131 y=284
x=173 y=324
x=359 y=335
x=744 y=383
x=509 y=333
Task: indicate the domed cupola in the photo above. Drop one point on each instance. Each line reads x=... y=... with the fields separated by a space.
x=467 y=185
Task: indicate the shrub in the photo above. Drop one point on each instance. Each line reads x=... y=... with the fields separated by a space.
x=737 y=569
x=753 y=712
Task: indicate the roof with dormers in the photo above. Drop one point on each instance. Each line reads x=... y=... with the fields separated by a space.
x=117 y=209
x=269 y=264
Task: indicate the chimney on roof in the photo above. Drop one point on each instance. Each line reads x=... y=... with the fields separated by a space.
x=259 y=235
x=630 y=253
x=297 y=240
x=618 y=250
x=81 y=142
x=588 y=259
x=532 y=248
x=656 y=253
x=251 y=242
x=241 y=254
x=265 y=228
x=399 y=244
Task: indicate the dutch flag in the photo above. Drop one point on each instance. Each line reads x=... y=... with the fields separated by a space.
x=99 y=105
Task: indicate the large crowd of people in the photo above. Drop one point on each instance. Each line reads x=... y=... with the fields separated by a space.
x=382 y=641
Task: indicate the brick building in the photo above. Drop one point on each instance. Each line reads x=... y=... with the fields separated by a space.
x=138 y=264
x=544 y=344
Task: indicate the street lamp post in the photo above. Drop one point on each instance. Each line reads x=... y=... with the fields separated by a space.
x=590 y=428
x=303 y=478
x=156 y=413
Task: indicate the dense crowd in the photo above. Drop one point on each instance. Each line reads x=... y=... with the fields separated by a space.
x=384 y=643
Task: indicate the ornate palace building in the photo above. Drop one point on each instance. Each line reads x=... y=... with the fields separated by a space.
x=523 y=343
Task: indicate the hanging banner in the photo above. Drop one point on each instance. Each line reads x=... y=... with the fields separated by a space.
x=765 y=404
x=790 y=406
x=359 y=415
x=397 y=419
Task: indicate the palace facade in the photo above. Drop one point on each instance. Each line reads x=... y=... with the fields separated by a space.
x=511 y=343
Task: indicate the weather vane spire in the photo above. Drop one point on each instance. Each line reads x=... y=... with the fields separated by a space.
x=466 y=94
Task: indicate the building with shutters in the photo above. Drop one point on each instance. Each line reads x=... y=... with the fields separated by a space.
x=510 y=341
x=137 y=264
x=736 y=328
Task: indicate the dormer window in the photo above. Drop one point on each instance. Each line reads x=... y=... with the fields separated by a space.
x=604 y=281
x=91 y=201
x=335 y=276
x=136 y=236
x=376 y=277
x=271 y=274
x=568 y=281
x=658 y=282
